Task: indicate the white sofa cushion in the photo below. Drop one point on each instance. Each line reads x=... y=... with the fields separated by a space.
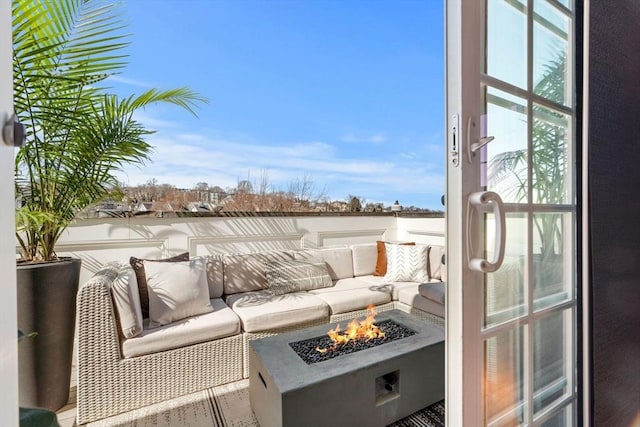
x=221 y=322
x=296 y=275
x=436 y=268
x=394 y=286
x=433 y=291
x=138 y=266
x=126 y=299
x=365 y=256
x=345 y=284
x=262 y=310
x=412 y=297
x=354 y=299
x=177 y=290
x=246 y=272
x=407 y=263
x=339 y=260
x=215 y=276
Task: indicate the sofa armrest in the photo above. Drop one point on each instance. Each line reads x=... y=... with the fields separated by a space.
x=98 y=336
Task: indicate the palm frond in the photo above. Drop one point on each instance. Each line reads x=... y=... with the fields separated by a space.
x=77 y=135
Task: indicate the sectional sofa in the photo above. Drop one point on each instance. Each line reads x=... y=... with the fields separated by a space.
x=118 y=371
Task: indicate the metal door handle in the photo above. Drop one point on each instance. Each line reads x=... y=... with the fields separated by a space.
x=13 y=132
x=476 y=200
x=472 y=147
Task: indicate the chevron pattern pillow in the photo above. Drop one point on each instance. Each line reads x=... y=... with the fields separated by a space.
x=296 y=275
x=407 y=263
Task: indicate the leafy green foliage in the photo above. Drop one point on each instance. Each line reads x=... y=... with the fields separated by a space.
x=508 y=170
x=78 y=135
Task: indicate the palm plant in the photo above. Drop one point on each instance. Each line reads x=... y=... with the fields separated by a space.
x=78 y=134
x=508 y=170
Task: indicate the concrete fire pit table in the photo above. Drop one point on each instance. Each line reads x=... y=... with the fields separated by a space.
x=367 y=388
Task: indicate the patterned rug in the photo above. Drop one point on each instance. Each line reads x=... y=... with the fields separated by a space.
x=228 y=406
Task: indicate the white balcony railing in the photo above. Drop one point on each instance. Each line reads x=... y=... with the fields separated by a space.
x=100 y=240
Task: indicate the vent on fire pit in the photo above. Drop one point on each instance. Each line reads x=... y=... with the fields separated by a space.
x=307 y=349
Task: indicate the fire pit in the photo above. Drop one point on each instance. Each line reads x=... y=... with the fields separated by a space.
x=358 y=335
x=307 y=378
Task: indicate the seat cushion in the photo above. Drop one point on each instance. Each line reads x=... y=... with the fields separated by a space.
x=412 y=297
x=433 y=291
x=354 y=299
x=262 y=310
x=221 y=322
x=394 y=286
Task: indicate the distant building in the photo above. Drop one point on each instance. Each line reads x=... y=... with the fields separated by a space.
x=111 y=209
x=201 y=207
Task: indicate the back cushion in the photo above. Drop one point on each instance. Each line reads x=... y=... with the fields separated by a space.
x=339 y=260
x=443 y=266
x=365 y=256
x=138 y=266
x=297 y=275
x=435 y=262
x=246 y=272
x=215 y=275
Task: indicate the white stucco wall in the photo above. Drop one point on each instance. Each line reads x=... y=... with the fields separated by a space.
x=99 y=240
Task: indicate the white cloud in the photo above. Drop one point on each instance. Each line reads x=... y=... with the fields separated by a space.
x=185 y=159
x=127 y=81
x=152 y=122
x=376 y=138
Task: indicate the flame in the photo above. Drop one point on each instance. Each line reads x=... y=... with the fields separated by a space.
x=356 y=330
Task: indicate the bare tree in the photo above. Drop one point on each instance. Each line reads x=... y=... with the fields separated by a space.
x=201 y=186
x=303 y=192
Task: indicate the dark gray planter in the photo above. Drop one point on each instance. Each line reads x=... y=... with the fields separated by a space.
x=47 y=306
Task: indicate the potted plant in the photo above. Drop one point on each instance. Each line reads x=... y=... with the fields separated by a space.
x=508 y=173
x=78 y=136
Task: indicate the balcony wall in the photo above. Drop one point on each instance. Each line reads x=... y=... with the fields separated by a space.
x=99 y=240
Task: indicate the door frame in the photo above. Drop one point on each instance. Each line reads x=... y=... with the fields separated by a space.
x=458 y=389
x=459 y=410
x=9 y=324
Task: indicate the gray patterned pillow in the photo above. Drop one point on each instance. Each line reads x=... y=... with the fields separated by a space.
x=407 y=263
x=296 y=275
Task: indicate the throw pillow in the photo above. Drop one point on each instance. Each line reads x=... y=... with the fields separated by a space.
x=126 y=299
x=407 y=263
x=436 y=254
x=381 y=261
x=138 y=267
x=296 y=275
x=177 y=290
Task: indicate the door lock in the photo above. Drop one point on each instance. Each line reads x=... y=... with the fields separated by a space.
x=455 y=140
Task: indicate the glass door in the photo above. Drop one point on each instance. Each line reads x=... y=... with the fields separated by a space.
x=511 y=213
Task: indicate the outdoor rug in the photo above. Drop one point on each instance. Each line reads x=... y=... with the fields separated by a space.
x=228 y=406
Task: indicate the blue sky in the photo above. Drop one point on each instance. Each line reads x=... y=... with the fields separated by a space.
x=349 y=94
